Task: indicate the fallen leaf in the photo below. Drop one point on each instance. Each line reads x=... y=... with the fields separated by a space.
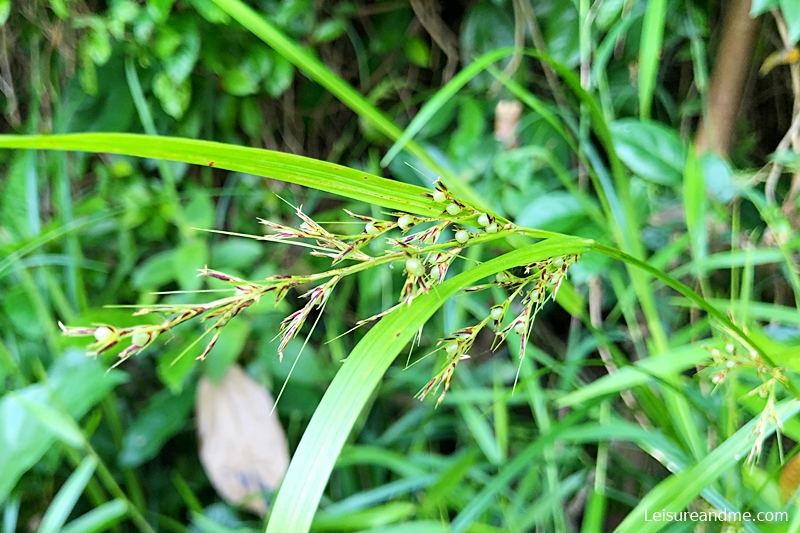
x=243 y=447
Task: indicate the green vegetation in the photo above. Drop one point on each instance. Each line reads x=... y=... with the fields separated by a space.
x=587 y=261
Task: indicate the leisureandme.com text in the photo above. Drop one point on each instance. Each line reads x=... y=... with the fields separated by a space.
x=715 y=516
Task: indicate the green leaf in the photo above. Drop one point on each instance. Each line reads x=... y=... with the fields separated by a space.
x=65 y=500
x=210 y=12
x=320 y=175
x=160 y=9
x=21 y=311
x=369 y=518
x=163 y=417
x=791 y=13
x=64 y=428
x=759 y=7
x=181 y=60
x=417 y=51
x=650 y=53
x=442 y=97
x=77 y=383
x=190 y=256
x=227 y=349
x=314 y=69
x=694 y=206
x=5 y=10
x=155 y=272
x=174 y=98
x=555 y=211
x=241 y=80
x=361 y=372
x=280 y=77
x=677 y=491
x=99 y=519
x=98 y=43
x=668 y=364
x=651 y=150
x=328 y=30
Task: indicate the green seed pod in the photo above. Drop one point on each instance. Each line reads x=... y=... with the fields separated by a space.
x=451 y=347
x=453 y=209
x=414 y=267
x=371 y=229
x=102 y=333
x=483 y=220
x=404 y=222
x=462 y=236
x=497 y=313
x=491 y=228
x=140 y=339
x=439 y=197
x=519 y=328
x=502 y=277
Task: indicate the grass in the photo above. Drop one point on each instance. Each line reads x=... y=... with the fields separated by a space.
x=678 y=338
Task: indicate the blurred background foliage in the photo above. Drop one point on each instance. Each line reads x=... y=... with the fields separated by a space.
x=80 y=232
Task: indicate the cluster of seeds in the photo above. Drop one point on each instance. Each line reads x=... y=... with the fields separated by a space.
x=426 y=258
x=729 y=359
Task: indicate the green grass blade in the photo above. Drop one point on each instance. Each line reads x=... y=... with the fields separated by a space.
x=676 y=492
x=305 y=171
x=99 y=519
x=671 y=363
x=650 y=53
x=358 y=377
x=318 y=72
x=66 y=498
x=442 y=96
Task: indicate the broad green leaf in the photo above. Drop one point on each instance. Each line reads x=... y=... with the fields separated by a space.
x=356 y=380
x=791 y=13
x=62 y=505
x=759 y=7
x=555 y=211
x=61 y=426
x=651 y=150
x=163 y=417
x=173 y=97
x=75 y=381
x=188 y=258
x=99 y=519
